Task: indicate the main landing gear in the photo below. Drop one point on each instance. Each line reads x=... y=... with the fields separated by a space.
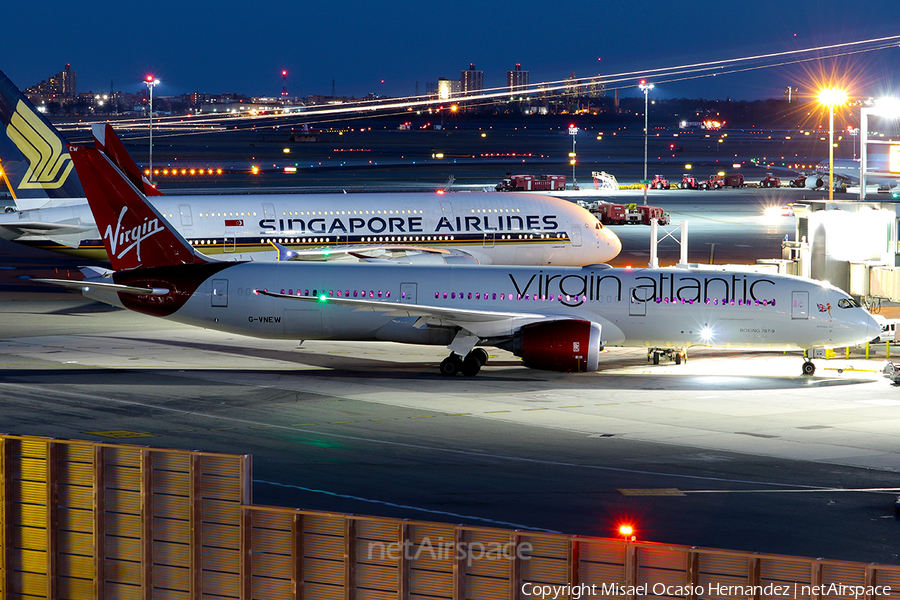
x=468 y=366
x=655 y=354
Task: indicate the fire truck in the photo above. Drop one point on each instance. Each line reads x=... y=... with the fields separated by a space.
x=532 y=183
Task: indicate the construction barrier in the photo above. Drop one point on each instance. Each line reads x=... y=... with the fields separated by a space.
x=84 y=520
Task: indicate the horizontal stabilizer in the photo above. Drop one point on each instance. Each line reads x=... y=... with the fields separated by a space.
x=84 y=285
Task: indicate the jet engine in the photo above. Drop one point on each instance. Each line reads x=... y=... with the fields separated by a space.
x=566 y=345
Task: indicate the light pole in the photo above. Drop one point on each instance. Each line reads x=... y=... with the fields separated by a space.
x=831 y=97
x=151 y=82
x=645 y=87
x=573 y=131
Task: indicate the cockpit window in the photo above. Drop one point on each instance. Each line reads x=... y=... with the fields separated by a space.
x=848 y=303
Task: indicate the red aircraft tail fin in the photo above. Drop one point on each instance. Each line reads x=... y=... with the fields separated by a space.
x=106 y=140
x=134 y=233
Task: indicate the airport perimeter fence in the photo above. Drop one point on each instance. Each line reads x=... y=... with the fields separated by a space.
x=107 y=521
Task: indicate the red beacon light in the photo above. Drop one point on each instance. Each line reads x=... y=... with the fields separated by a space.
x=627 y=533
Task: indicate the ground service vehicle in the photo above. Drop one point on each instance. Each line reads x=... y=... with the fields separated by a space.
x=735 y=180
x=715 y=182
x=631 y=214
x=689 y=182
x=532 y=183
x=770 y=181
x=659 y=183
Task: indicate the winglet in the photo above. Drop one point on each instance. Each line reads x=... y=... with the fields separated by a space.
x=106 y=140
x=134 y=233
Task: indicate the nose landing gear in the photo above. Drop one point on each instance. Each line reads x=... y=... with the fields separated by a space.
x=655 y=354
x=468 y=366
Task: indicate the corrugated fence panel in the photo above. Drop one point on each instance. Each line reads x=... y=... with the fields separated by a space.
x=191 y=523
x=431 y=583
x=376 y=577
x=263 y=588
x=720 y=573
x=318 y=591
x=546 y=562
x=885 y=576
x=775 y=570
x=663 y=566
x=76 y=589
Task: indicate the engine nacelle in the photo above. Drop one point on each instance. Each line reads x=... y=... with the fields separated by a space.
x=559 y=345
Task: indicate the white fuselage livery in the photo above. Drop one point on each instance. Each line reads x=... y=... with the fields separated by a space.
x=661 y=308
x=493 y=228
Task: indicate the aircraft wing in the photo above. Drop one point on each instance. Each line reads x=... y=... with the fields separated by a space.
x=17 y=229
x=396 y=309
x=483 y=323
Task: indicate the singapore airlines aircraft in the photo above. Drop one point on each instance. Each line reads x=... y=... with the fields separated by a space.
x=487 y=228
x=555 y=318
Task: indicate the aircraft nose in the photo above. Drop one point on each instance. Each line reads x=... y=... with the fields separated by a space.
x=613 y=243
x=873 y=328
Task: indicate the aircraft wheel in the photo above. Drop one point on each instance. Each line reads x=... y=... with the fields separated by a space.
x=479 y=354
x=809 y=368
x=678 y=358
x=451 y=365
x=656 y=358
x=471 y=366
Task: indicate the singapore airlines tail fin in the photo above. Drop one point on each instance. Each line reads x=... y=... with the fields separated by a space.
x=106 y=140
x=134 y=233
x=35 y=166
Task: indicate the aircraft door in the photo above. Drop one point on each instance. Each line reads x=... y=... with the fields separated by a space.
x=219 y=292
x=800 y=305
x=489 y=237
x=575 y=234
x=268 y=210
x=446 y=211
x=637 y=304
x=408 y=293
x=185 y=211
x=229 y=243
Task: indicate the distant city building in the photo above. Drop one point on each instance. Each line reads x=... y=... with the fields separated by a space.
x=573 y=85
x=597 y=87
x=446 y=88
x=517 y=81
x=471 y=81
x=60 y=87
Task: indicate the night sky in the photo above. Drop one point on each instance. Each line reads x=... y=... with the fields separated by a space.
x=386 y=47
